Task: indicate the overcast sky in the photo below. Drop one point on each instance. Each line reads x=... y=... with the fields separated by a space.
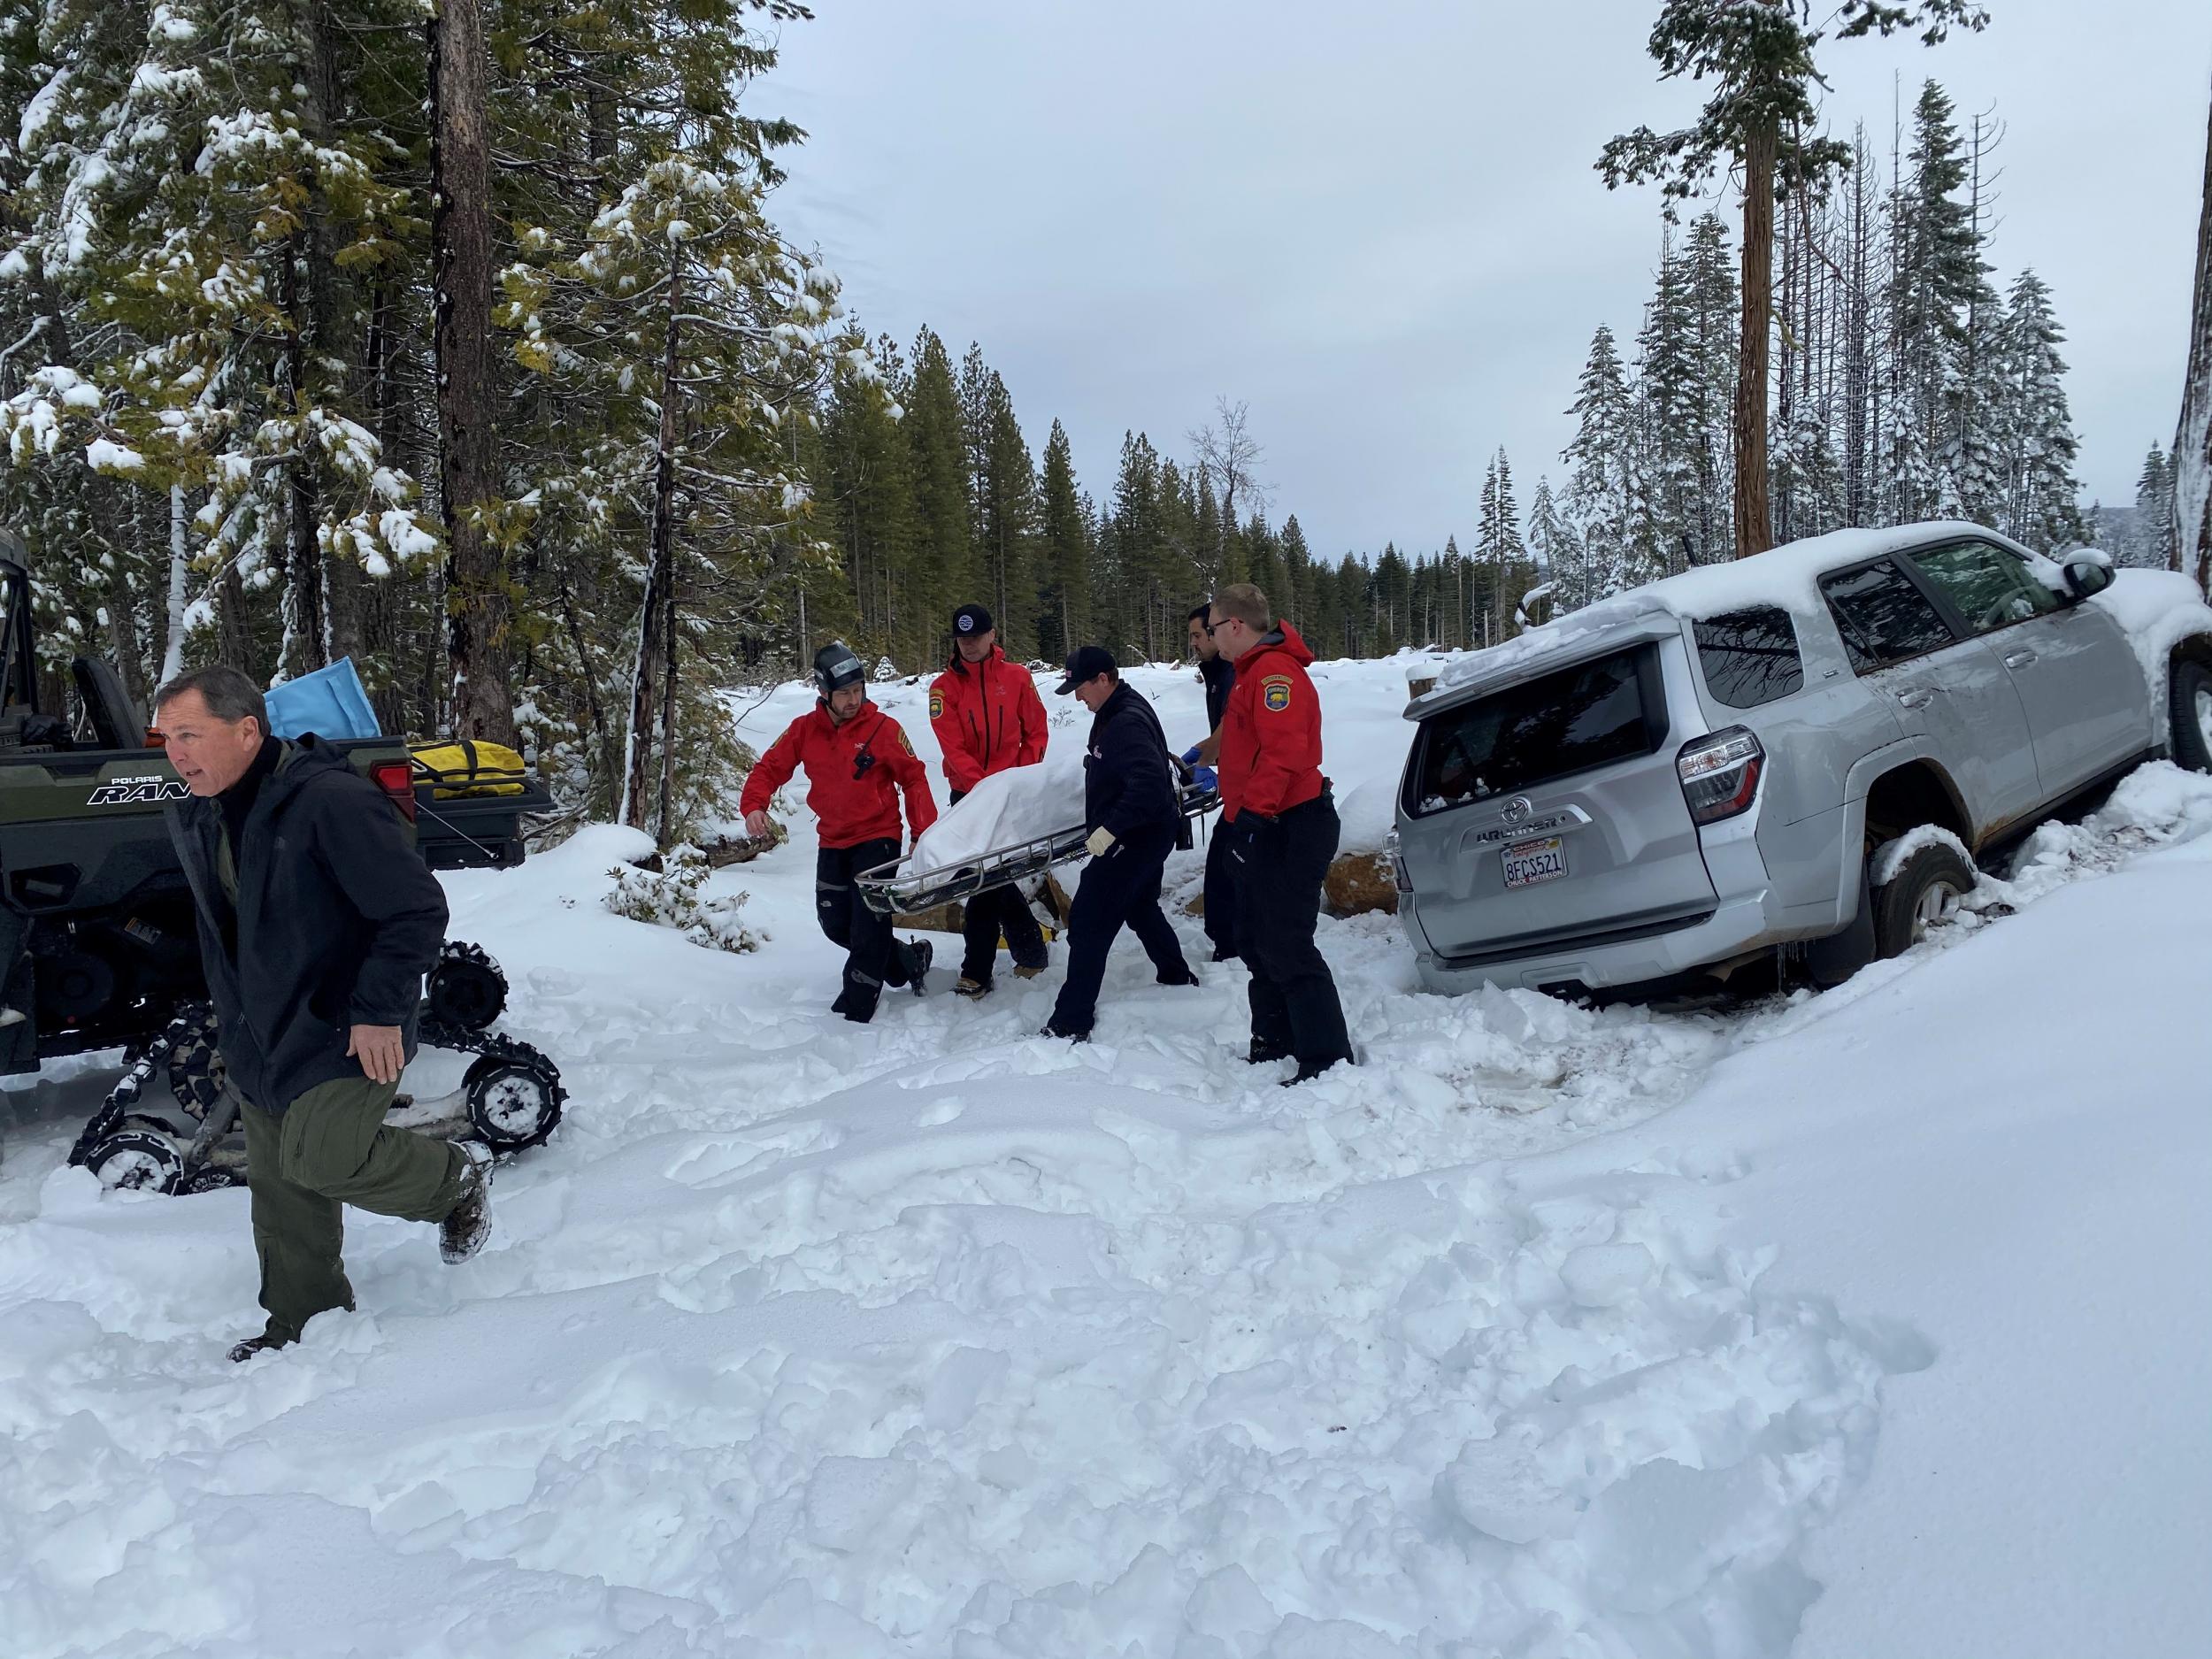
x=1380 y=226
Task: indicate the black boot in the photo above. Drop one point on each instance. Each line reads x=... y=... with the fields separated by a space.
x=1178 y=976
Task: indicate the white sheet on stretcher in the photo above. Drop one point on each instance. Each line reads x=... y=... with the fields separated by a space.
x=1004 y=809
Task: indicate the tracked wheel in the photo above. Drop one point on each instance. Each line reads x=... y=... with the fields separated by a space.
x=137 y=1160
x=466 y=991
x=195 y=1072
x=514 y=1095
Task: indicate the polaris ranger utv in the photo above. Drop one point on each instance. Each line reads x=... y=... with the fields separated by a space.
x=98 y=942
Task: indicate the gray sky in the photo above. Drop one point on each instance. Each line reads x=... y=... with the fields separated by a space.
x=1381 y=227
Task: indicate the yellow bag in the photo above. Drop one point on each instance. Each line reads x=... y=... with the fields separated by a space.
x=468 y=768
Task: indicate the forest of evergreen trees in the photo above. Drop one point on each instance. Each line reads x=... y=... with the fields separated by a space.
x=236 y=381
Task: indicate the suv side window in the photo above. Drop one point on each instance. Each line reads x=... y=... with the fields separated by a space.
x=1883 y=617
x=1987 y=586
x=1749 y=657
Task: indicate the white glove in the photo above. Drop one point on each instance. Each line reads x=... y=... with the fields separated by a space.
x=1101 y=839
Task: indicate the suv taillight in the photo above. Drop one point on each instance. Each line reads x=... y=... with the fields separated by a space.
x=1398 y=873
x=397 y=778
x=1720 y=774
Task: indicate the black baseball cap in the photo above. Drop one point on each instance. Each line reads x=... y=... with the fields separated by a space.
x=970 y=620
x=1087 y=662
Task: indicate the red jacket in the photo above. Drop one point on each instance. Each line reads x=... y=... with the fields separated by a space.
x=987 y=717
x=852 y=809
x=1270 y=733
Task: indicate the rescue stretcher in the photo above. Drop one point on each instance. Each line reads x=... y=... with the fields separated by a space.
x=893 y=889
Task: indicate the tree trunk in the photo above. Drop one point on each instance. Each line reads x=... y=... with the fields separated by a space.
x=172 y=638
x=478 y=604
x=664 y=810
x=660 y=574
x=304 y=620
x=1754 y=529
x=2192 y=438
x=235 y=646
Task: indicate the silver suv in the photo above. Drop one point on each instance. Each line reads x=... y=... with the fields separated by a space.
x=1805 y=750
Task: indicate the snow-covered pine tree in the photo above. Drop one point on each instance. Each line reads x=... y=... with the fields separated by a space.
x=1979 y=414
x=1935 y=268
x=1597 y=502
x=707 y=340
x=1668 y=408
x=210 y=199
x=1713 y=324
x=2042 y=508
x=2150 y=542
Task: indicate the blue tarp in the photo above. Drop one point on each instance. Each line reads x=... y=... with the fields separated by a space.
x=329 y=702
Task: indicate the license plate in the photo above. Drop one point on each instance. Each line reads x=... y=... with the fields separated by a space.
x=1527 y=863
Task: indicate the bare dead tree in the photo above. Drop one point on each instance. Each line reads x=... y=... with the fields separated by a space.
x=1226 y=448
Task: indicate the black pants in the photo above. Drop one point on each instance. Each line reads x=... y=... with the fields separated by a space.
x=1000 y=910
x=987 y=916
x=1124 y=886
x=1279 y=867
x=873 y=957
x=1221 y=891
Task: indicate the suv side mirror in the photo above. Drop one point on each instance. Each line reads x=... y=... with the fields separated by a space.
x=2085 y=576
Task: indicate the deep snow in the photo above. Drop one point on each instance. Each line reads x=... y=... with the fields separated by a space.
x=1878 y=1315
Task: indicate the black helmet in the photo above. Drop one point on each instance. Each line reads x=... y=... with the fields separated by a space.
x=836 y=667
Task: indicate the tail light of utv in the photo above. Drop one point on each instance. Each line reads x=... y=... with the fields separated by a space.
x=397 y=778
x=1720 y=774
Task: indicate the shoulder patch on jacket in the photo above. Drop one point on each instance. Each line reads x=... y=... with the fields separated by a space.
x=1275 y=692
x=905 y=742
x=936 y=703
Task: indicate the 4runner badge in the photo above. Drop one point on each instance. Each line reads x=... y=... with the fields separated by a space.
x=137 y=791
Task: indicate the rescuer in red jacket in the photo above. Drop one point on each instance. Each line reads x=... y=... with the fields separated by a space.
x=857 y=763
x=1282 y=827
x=988 y=718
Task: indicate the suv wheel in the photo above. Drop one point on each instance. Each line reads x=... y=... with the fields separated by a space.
x=2191 y=713
x=1926 y=890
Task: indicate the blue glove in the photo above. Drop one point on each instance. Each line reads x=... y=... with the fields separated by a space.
x=1190 y=754
x=1205 y=778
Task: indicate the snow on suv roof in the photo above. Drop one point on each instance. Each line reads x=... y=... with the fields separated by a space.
x=1787 y=576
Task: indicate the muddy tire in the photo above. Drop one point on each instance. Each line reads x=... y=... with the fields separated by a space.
x=2189 y=696
x=1925 y=889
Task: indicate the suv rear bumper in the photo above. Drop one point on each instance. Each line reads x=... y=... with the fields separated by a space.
x=1606 y=959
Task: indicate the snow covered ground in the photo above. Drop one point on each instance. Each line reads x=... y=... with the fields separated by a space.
x=1869 y=1324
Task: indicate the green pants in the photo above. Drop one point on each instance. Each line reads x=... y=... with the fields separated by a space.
x=331 y=1149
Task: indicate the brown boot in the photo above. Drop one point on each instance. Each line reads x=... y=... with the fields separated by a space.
x=469 y=1223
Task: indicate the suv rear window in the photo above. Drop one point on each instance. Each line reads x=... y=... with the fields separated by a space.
x=1883 y=617
x=1572 y=720
x=1749 y=657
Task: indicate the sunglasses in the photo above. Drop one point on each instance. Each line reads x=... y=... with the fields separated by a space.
x=1210 y=626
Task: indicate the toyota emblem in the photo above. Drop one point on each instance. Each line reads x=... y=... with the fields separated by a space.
x=1515 y=810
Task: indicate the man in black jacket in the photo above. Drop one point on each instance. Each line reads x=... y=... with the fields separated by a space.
x=1131 y=807
x=317 y=924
